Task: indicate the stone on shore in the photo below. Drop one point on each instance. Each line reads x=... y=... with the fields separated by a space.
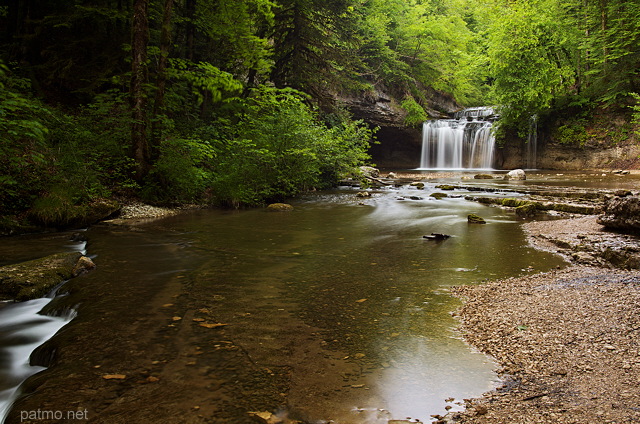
x=33 y=279
x=516 y=174
x=370 y=171
x=622 y=213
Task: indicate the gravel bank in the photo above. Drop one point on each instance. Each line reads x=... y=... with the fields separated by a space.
x=140 y=212
x=568 y=341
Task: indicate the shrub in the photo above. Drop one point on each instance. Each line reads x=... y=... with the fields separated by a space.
x=279 y=147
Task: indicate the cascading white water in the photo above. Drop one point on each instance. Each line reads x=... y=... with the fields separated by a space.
x=22 y=329
x=464 y=142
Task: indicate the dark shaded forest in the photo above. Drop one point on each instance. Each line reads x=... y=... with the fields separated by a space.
x=236 y=102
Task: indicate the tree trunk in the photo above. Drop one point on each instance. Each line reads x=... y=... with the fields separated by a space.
x=139 y=77
x=161 y=81
x=603 y=28
x=191 y=28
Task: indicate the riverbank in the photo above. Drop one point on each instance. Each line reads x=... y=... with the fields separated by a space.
x=566 y=340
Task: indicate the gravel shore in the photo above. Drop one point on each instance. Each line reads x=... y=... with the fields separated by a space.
x=567 y=340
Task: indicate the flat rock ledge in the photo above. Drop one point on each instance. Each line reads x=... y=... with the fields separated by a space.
x=35 y=278
x=566 y=341
x=585 y=241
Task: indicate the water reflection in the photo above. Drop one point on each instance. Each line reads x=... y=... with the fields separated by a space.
x=343 y=298
x=422 y=373
x=378 y=291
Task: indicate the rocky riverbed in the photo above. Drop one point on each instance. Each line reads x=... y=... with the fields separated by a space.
x=567 y=341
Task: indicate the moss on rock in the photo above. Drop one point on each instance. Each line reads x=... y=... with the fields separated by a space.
x=475 y=219
x=33 y=279
x=279 y=207
x=527 y=210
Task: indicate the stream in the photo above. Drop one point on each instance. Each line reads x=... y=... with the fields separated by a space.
x=338 y=311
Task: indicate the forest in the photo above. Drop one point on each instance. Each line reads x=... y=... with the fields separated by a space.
x=236 y=102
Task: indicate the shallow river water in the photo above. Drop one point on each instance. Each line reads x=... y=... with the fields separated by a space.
x=341 y=303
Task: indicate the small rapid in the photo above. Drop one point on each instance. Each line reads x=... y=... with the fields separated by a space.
x=22 y=329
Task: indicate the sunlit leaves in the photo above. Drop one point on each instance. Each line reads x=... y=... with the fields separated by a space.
x=235 y=33
x=529 y=59
x=280 y=147
x=204 y=78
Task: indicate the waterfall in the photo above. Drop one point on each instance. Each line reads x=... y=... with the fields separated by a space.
x=466 y=141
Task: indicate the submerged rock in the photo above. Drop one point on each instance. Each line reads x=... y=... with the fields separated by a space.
x=438 y=195
x=279 y=207
x=436 y=236
x=33 y=279
x=483 y=177
x=475 y=219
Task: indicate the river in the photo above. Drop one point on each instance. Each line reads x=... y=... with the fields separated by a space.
x=338 y=311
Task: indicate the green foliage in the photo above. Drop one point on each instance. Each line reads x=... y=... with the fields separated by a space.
x=182 y=172
x=204 y=79
x=58 y=207
x=421 y=43
x=24 y=157
x=635 y=117
x=529 y=62
x=92 y=147
x=572 y=134
x=219 y=130
x=415 y=113
x=280 y=147
x=237 y=30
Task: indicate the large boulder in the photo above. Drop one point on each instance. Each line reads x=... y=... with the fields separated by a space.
x=516 y=174
x=370 y=171
x=622 y=213
x=58 y=212
x=33 y=279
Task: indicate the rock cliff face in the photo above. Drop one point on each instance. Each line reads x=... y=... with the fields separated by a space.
x=400 y=145
x=551 y=155
x=607 y=141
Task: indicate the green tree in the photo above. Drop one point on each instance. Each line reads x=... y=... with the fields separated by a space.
x=314 y=45
x=531 y=61
x=24 y=156
x=279 y=147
